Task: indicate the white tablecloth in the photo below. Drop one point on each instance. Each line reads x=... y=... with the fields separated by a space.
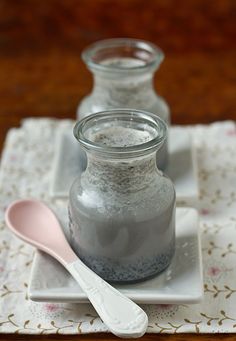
x=25 y=172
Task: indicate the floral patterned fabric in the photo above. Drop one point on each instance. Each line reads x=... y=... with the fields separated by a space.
x=25 y=172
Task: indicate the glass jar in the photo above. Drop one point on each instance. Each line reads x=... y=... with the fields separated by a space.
x=123 y=71
x=122 y=208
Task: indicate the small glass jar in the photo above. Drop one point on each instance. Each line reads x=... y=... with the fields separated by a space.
x=123 y=71
x=122 y=208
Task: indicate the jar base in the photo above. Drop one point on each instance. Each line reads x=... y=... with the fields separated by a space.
x=141 y=279
x=129 y=274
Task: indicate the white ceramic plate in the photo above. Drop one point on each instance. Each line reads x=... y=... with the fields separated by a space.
x=180 y=283
x=181 y=168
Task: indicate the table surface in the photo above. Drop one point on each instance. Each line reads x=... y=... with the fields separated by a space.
x=41 y=73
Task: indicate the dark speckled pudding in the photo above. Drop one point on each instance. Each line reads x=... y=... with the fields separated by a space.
x=122 y=209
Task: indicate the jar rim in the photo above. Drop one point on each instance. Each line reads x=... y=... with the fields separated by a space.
x=146 y=52
x=127 y=116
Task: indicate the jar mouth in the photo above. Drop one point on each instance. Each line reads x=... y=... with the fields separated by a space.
x=122 y=55
x=121 y=133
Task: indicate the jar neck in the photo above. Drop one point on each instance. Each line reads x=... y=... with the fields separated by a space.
x=124 y=91
x=121 y=175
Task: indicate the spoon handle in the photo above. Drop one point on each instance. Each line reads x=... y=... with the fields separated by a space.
x=122 y=316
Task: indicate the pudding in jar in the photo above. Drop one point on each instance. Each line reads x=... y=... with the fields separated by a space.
x=122 y=208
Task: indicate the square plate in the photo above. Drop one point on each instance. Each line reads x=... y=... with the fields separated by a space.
x=181 y=168
x=181 y=283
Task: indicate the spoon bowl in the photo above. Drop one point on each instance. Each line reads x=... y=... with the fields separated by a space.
x=35 y=223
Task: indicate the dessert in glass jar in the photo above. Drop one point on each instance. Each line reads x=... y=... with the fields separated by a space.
x=122 y=208
x=123 y=71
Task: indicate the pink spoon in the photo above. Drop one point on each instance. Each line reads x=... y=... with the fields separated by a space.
x=36 y=224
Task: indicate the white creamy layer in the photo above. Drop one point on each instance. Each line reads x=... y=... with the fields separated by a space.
x=118 y=136
x=123 y=62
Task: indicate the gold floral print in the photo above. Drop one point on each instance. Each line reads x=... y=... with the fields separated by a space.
x=215 y=290
x=171 y=327
x=230 y=250
x=9 y=321
x=6 y=291
x=219 y=320
x=4 y=246
x=19 y=251
x=213 y=229
x=196 y=324
x=211 y=248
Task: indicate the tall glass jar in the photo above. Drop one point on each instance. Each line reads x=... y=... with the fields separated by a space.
x=123 y=71
x=122 y=208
